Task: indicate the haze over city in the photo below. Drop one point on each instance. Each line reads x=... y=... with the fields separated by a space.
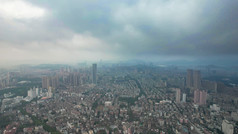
x=57 y=31
x=118 y=67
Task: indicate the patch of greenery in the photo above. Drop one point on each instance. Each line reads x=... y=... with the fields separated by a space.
x=18 y=91
x=101 y=132
x=4 y=121
x=95 y=105
x=39 y=122
x=20 y=129
x=132 y=117
x=129 y=100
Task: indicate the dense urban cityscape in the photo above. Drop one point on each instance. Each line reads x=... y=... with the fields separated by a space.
x=118 y=67
x=114 y=99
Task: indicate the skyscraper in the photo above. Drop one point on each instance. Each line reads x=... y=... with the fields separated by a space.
x=29 y=93
x=196 y=79
x=193 y=79
x=184 y=97
x=8 y=79
x=74 y=79
x=94 y=74
x=45 y=82
x=196 y=96
x=189 y=79
x=203 y=97
x=200 y=97
x=50 y=82
x=178 y=92
x=50 y=94
x=54 y=82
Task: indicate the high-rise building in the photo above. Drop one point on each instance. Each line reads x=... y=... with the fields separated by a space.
x=74 y=79
x=50 y=82
x=203 y=97
x=200 y=97
x=189 y=79
x=8 y=78
x=30 y=93
x=193 y=79
x=227 y=127
x=54 y=82
x=178 y=92
x=45 y=82
x=184 y=97
x=50 y=94
x=37 y=91
x=196 y=79
x=33 y=93
x=196 y=96
x=94 y=74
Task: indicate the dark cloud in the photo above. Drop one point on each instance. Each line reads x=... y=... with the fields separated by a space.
x=136 y=29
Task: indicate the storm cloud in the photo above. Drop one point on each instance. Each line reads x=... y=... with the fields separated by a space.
x=59 y=31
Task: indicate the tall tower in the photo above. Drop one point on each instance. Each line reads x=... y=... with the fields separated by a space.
x=8 y=79
x=193 y=79
x=54 y=82
x=178 y=92
x=203 y=97
x=94 y=74
x=196 y=79
x=189 y=79
x=200 y=97
x=196 y=96
x=184 y=97
x=45 y=82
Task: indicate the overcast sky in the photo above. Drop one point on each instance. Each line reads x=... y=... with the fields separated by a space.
x=65 y=31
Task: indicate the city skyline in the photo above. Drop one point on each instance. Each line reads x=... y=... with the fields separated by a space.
x=42 y=32
x=118 y=67
x=94 y=73
x=118 y=99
